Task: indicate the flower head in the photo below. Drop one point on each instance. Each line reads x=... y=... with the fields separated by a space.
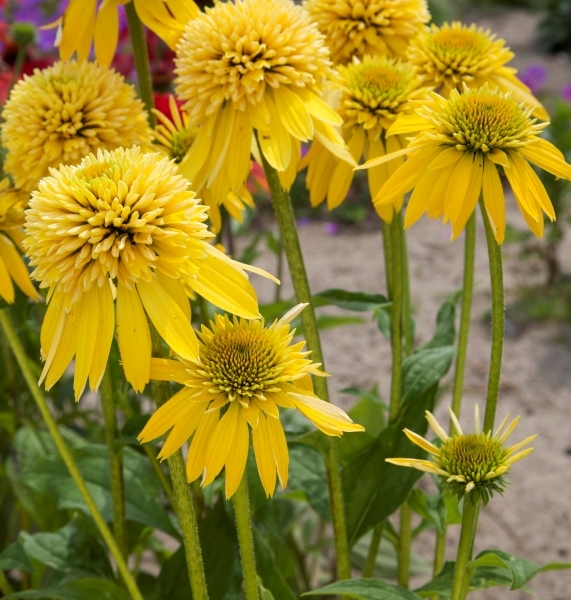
x=253 y=65
x=62 y=113
x=243 y=374
x=12 y=267
x=453 y=55
x=84 y=23
x=472 y=463
x=123 y=226
x=175 y=138
x=465 y=140
x=361 y=27
x=374 y=93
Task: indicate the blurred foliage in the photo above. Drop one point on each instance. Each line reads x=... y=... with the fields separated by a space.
x=555 y=28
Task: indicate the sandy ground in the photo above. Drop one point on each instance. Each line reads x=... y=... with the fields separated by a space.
x=534 y=518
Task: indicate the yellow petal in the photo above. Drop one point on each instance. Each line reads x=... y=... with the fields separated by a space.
x=236 y=461
x=279 y=447
x=165 y=369
x=88 y=315
x=265 y=460
x=493 y=195
x=324 y=414
x=165 y=416
x=65 y=350
x=106 y=32
x=199 y=445
x=293 y=113
x=17 y=268
x=221 y=443
x=544 y=154
x=134 y=337
x=6 y=287
x=187 y=421
x=105 y=330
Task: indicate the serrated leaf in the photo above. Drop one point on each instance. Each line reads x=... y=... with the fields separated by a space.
x=356 y=301
x=365 y=589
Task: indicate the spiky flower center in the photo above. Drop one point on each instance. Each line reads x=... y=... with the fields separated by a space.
x=118 y=215
x=471 y=456
x=457 y=48
x=241 y=361
x=375 y=91
x=237 y=50
x=483 y=120
x=181 y=142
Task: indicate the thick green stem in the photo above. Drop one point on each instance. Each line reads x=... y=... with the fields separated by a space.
x=387 y=251
x=406 y=302
x=141 y=56
x=404 y=545
x=115 y=462
x=373 y=550
x=183 y=505
x=66 y=455
x=498 y=323
x=290 y=241
x=439 y=553
x=396 y=316
x=465 y=546
x=467 y=293
x=241 y=505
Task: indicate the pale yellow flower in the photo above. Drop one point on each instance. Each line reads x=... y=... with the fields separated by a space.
x=60 y=114
x=361 y=27
x=244 y=373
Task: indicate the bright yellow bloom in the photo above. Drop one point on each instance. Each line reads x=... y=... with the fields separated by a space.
x=175 y=138
x=12 y=267
x=464 y=142
x=361 y=27
x=452 y=55
x=62 y=113
x=373 y=94
x=243 y=373
x=472 y=462
x=253 y=65
x=84 y=23
x=123 y=226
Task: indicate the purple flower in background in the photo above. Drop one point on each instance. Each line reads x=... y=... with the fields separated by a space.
x=303 y=222
x=534 y=77
x=331 y=228
x=566 y=93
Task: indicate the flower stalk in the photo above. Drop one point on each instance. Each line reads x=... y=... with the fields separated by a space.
x=241 y=504
x=66 y=455
x=115 y=462
x=498 y=322
x=141 y=56
x=462 y=571
x=290 y=242
x=184 y=505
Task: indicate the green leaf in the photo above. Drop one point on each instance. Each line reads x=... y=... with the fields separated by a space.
x=14 y=557
x=132 y=429
x=268 y=570
x=430 y=508
x=70 y=550
x=355 y=301
x=77 y=589
x=219 y=549
x=364 y=589
x=331 y=321
x=445 y=333
x=19 y=299
x=423 y=369
x=143 y=495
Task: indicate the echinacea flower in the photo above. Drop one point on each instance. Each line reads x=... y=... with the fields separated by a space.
x=450 y=56
x=243 y=374
x=374 y=93
x=116 y=239
x=361 y=27
x=472 y=463
x=60 y=114
x=85 y=23
x=464 y=143
x=12 y=266
x=175 y=137
x=253 y=65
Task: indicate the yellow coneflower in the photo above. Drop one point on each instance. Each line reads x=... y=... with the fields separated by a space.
x=12 y=267
x=361 y=27
x=452 y=55
x=253 y=65
x=472 y=463
x=85 y=23
x=465 y=141
x=62 y=113
x=244 y=373
x=123 y=226
x=175 y=137
x=374 y=93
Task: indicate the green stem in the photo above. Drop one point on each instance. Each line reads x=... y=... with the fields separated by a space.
x=396 y=316
x=407 y=307
x=387 y=251
x=115 y=462
x=163 y=479
x=5 y=586
x=66 y=455
x=404 y=545
x=498 y=318
x=439 y=553
x=183 y=504
x=142 y=66
x=465 y=547
x=290 y=242
x=467 y=293
x=203 y=309
x=373 y=550
x=18 y=64
x=241 y=505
